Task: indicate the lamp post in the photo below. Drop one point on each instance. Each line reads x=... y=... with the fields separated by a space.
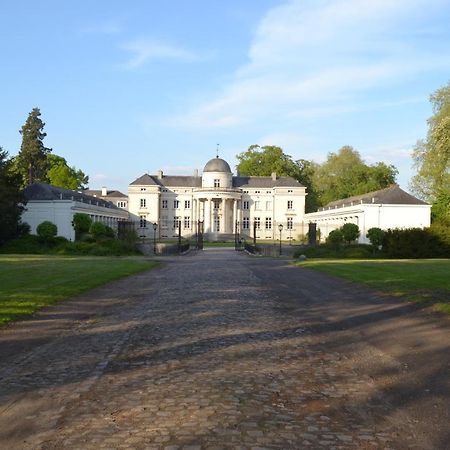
x=155 y=226
x=280 y=227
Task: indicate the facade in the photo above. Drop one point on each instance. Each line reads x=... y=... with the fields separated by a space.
x=58 y=205
x=221 y=202
x=115 y=197
x=387 y=208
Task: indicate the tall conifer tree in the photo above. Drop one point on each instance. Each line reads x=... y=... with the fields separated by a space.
x=32 y=161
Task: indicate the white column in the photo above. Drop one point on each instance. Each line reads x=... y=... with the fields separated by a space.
x=223 y=226
x=208 y=216
x=234 y=215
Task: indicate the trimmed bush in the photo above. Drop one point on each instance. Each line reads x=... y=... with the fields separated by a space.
x=47 y=231
x=350 y=232
x=335 y=238
x=81 y=224
x=375 y=236
x=100 y=231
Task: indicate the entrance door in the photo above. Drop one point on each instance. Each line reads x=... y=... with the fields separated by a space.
x=216 y=224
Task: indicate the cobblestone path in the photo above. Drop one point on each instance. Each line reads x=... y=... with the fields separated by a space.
x=208 y=352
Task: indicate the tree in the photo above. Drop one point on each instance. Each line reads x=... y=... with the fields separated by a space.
x=47 y=231
x=350 y=232
x=335 y=238
x=375 y=236
x=32 y=163
x=263 y=161
x=11 y=199
x=81 y=224
x=305 y=175
x=61 y=175
x=345 y=174
x=432 y=155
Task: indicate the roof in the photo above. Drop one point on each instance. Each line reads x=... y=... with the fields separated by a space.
x=98 y=193
x=44 y=191
x=392 y=195
x=217 y=165
x=168 y=180
x=265 y=182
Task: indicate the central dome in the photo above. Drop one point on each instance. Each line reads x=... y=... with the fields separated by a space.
x=217 y=165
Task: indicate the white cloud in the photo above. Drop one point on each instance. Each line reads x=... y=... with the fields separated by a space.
x=311 y=58
x=143 y=51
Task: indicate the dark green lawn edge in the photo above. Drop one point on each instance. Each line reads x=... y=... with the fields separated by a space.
x=438 y=300
x=75 y=289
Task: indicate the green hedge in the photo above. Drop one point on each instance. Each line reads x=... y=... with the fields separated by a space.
x=354 y=251
x=433 y=242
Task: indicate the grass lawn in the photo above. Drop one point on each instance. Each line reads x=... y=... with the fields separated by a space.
x=30 y=282
x=422 y=280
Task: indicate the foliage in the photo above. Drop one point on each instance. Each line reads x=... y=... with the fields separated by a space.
x=47 y=231
x=31 y=162
x=345 y=174
x=375 y=236
x=432 y=156
x=28 y=283
x=335 y=238
x=440 y=210
x=101 y=231
x=329 y=251
x=416 y=243
x=350 y=232
x=11 y=200
x=81 y=224
x=61 y=175
x=305 y=175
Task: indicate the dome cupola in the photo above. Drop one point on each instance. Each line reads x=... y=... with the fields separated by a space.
x=217 y=165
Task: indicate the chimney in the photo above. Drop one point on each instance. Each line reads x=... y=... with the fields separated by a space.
x=104 y=191
x=195 y=173
x=160 y=174
x=274 y=176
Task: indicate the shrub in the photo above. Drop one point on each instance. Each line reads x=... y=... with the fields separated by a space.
x=101 y=231
x=47 y=231
x=375 y=236
x=335 y=238
x=416 y=243
x=350 y=232
x=81 y=224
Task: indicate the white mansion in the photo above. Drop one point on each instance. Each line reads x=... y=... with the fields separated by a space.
x=220 y=202
x=220 y=205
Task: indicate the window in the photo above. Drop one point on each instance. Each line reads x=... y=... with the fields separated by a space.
x=187 y=222
x=143 y=189
x=290 y=223
x=245 y=223
x=216 y=183
x=143 y=203
x=290 y=204
x=268 y=223
x=268 y=192
x=257 y=192
x=258 y=222
x=245 y=192
x=257 y=205
x=290 y=191
x=187 y=204
x=216 y=224
x=164 y=222
x=164 y=204
x=142 y=222
x=176 y=222
x=269 y=206
x=176 y=204
x=245 y=204
x=122 y=204
x=216 y=204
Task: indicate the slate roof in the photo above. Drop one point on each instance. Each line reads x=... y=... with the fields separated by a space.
x=98 y=193
x=196 y=182
x=44 y=191
x=265 y=182
x=217 y=165
x=393 y=195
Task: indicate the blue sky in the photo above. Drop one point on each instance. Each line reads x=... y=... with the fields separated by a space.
x=133 y=87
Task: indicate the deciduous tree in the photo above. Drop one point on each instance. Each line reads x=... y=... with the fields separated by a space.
x=11 y=199
x=62 y=175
